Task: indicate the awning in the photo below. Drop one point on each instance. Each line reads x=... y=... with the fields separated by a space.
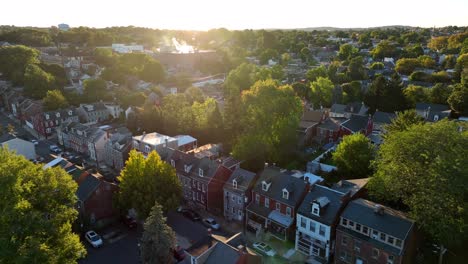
x=280 y=218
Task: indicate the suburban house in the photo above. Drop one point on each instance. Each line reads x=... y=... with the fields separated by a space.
x=114 y=110
x=276 y=198
x=27 y=109
x=146 y=143
x=372 y=233
x=330 y=130
x=432 y=112
x=237 y=194
x=18 y=145
x=341 y=110
x=317 y=218
x=118 y=146
x=308 y=125
x=186 y=142
x=213 y=250
x=357 y=124
x=381 y=119
x=96 y=139
x=45 y=123
x=93 y=113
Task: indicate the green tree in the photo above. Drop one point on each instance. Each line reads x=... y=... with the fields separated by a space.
x=194 y=94
x=346 y=52
x=158 y=239
x=356 y=69
x=353 y=156
x=403 y=121
x=439 y=93
x=144 y=181
x=384 y=49
x=95 y=89
x=104 y=57
x=37 y=213
x=54 y=100
x=313 y=74
x=416 y=94
x=37 y=82
x=458 y=99
x=322 y=92
x=153 y=72
x=385 y=95
x=352 y=92
x=15 y=59
x=424 y=167
x=377 y=66
x=407 y=65
x=270 y=117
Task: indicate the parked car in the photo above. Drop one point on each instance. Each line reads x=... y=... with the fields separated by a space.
x=55 y=149
x=264 y=249
x=192 y=215
x=35 y=142
x=211 y=223
x=179 y=253
x=94 y=239
x=129 y=221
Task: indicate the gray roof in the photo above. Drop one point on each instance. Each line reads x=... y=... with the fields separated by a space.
x=332 y=123
x=356 y=123
x=279 y=181
x=383 y=117
x=353 y=186
x=338 y=108
x=243 y=177
x=223 y=253
x=6 y=137
x=392 y=222
x=208 y=166
x=434 y=107
x=87 y=187
x=329 y=213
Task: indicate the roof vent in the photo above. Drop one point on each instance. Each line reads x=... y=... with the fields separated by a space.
x=379 y=209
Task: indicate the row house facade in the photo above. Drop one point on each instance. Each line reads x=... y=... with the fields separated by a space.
x=238 y=194
x=275 y=200
x=117 y=148
x=372 y=233
x=93 y=113
x=46 y=123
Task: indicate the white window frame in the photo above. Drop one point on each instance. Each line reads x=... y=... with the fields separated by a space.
x=288 y=211
x=173 y=163
x=285 y=194
x=234 y=184
x=257 y=198
x=267 y=202
x=200 y=172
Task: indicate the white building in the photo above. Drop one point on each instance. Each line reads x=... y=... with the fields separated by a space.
x=115 y=110
x=18 y=145
x=316 y=221
x=154 y=141
x=122 y=48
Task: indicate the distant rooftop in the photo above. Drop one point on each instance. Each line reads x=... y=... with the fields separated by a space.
x=154 y=138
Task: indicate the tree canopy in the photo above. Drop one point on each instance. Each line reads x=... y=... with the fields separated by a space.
x=424 y=167
x=144 y=181
x=158 y=239
x=322 y=92
x=54 y=100
x=37 y=213
x=353 y=156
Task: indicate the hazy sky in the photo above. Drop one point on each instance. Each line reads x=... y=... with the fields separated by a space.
x=234 y=14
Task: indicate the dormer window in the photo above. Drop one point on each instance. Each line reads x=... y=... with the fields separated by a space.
x=70 y=113
x=285 y=194
x=47 y=116
x=265 y=186
x=173 y=163
x=316 y=209
x=147 y=148
x=57 y=114
x=436 y=117
x=200 y=172
x=234 y=184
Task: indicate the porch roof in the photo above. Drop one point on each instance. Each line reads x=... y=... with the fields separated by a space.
x=280 y=218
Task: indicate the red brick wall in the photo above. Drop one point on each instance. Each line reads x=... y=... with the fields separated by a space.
x=215 y=194
x=273 y=204
x=365 y=252
x=100 y=203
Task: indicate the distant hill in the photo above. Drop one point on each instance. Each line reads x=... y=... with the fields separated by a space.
x=343 y=29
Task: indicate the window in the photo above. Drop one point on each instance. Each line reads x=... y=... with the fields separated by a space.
x=57 y=114
x=267 y=202
x=172 y=163
x=203 y=188
x=288 y=211
x=358 y=227
x=193 y=196
x=233 y=198
x=234 y=184
x=239 y=200
x=351 y=223
x=375 y=253
x=365 y=230
x=322 y=230
x=257 y=198
x=265 y=186
x=436 y=118
x=278 y=206
x=200 y=172
x=303 y=222
x=147 y=148
x=233 y=210
x=344 y=221
x=202 y=198
x=198 y=186
x=312 y=227
x=390 y=240
x=344 y=256
x=344 y=240
x=47 y=116
x=285 y=194
x=390 y=259
x=194 y=184
x=315 y=210
x=357 y=245
x=382 y=236
x=240 y=213
x=398 y=243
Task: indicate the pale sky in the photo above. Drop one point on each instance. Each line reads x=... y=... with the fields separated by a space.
x=234 y=14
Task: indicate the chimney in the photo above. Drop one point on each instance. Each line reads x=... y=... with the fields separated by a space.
x=379 y=209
